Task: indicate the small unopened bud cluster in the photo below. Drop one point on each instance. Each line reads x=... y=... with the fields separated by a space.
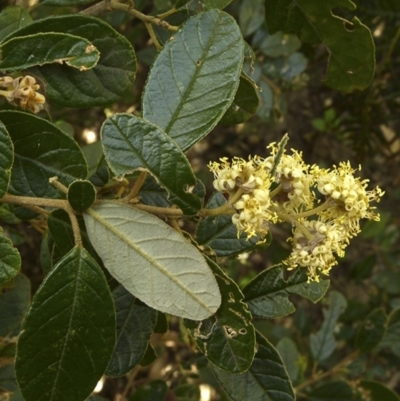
x=22 y=92
x=283 y=187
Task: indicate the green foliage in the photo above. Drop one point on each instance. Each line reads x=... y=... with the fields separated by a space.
x=147 y=279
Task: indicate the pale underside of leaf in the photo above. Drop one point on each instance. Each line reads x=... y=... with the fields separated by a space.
x=152 y=261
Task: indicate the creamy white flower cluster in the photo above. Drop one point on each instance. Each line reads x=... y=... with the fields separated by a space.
x=283 y=187
x=22 y=91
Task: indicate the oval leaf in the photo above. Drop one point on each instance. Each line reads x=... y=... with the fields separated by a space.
x=135 y=325
x=195 y=77
x=267 y=294
x=131 y=143
x=350 y=45
x=41 y=152
x=152 y=261
x=266 y=377
x=69 y=333
x=378 y=391
x=43 y=48
x=339 y=389
x=6 y=159
x=81 y=195
x=10 y=261
x=13 y=18
x=228 y=338
x=107 y=82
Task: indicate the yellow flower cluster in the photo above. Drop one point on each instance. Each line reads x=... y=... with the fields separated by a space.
x=22 y=91
x=283 y=187
x=250 y=182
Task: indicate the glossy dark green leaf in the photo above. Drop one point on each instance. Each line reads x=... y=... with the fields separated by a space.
x=323 y=342
x=13 y=18
x=392 y=335
x=266 y=380
x=10 y=261
x=47 y=249
x=107 y=82
x=151 y=391
x=267 y=294
x=23 y=52
x=14 y=305
x=81 y=195
x=337 y=390
x=135 y=325
x=378 y=391
x=220 y=234
x=195 y=77
x=227 y=338
x=372 y=330
x=290 y=355
x=244 y=104
x=6 y=159
x=149 y=357
x=350 y=45
x=69 y=333
x=41 y=152
x=166 y=271
x=131 y=143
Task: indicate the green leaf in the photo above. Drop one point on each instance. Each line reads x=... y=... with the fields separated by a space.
x=69 y=333
x=280 y=45
x=81 y=195
x=337 y=390
x=266 y=380
x=41 y=152
x=267 y=294
x=131 y=143
x=227 y=339
x=10 y=261
x=13 y=306
x=372 y=330
x=166 y=272
x=152 y=391
x=104 y=84
x=162 y=323
x=378 y=391
x=351 y=63
x=61 y=231
x=251 y=16
x=6 y=159
x=135 y=325
x=323 y=342
x=220 y=234
x=94 y=155
x=244 y=104
x=195 y=77
x=48 y=253
x=151 y=193
x=13 y=18
x=149 y=357
x=391 y=338
x=290 y=355
x=23 y=52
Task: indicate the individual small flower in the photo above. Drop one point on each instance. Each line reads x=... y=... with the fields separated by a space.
x=314 y=245
x=292 y=173
x=349 y=196
x=22 y=91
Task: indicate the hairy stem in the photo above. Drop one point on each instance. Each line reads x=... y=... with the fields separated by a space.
x=136 y=188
